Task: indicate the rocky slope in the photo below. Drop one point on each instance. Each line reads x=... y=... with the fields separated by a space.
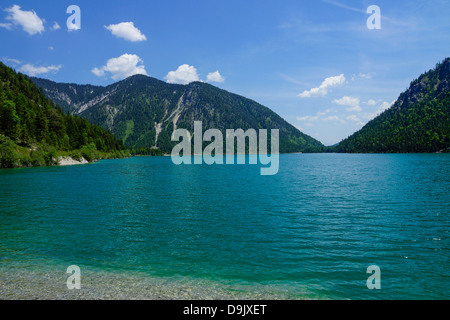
x=143 y=111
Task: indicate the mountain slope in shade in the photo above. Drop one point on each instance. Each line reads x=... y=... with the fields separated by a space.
x=143 y=111
x=419 y=121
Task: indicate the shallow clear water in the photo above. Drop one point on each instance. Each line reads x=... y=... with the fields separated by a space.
x=310 y=231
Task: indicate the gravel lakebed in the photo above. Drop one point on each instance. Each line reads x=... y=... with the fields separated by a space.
x=32 y=284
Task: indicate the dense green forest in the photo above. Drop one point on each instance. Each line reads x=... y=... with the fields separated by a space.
x=35 y=132
x=143 y=111
x=418 y=122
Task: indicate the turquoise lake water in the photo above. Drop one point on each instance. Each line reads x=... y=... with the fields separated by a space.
x=311 y=231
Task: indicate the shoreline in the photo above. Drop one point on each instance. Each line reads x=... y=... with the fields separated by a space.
x=23 y=284
x=63 y=161
x=69 y=161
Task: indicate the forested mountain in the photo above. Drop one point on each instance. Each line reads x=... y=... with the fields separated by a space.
x=34 y=131
x=143 y=111
x=419 y=121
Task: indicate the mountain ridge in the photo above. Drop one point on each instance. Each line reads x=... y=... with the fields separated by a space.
x=143 y=111
x=418 y=122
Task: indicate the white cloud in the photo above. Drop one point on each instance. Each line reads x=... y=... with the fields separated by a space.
x=322 y=113
x=335 y=118
x=365 y=76
x=351 y=102
x=386 y=105
x=317 y=117
x=183 y=75
x=383 y=107
x=6 y=26
x=215 y=77
x=28 y=20
x=371 y=102
x=15 y=61
x=122 y=67
x=34 y=71
x=127 y=31
x=354 y=118
x=73 y=27
x=308 y=118
x=98 y=72
x=56 y=26
x=324 y=88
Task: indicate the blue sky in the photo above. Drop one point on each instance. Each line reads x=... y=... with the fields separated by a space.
x=313 y=62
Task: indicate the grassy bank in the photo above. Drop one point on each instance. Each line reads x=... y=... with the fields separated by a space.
x=38 y=155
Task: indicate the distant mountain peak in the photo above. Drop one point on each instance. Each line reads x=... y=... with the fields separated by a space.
x=143 y=111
